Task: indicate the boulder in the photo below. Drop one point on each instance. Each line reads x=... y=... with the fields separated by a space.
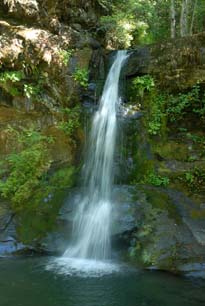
x=167 y=235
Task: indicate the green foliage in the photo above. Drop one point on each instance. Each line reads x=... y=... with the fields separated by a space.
x=26 y=168
x=157 y=116
x=156 y=102
x=35 y=195
x=156 y=180
x=146 y=85
x=133 y=22
x=199 y=107
x=105 y=3
x=13 y=76
x=173 y=108
x=9 y=80
x=31 y=90
x=39 y=214
x=194 y=179
x=118 y=28
x=142 y=84
x=14 y=83
x=71 y=120
x=196 y=138
x=65 y=56
x=13 y=91
x=177 y=106
x=81 y=77
x=127 y=24
x=63 y=178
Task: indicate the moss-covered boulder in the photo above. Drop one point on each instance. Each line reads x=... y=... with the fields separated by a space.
x=167 y=236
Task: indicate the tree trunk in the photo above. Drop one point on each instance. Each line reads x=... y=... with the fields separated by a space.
x=193 y=18
x=184 y=18
x=173 y=19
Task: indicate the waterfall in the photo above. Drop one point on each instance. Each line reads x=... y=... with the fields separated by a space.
x=91 y=229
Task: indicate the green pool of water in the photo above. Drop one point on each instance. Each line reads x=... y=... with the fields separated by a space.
x=28 y=282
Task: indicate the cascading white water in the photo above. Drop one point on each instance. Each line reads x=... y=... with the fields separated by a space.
x=91 y=231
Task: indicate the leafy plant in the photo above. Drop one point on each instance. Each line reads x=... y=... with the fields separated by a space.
x=9 y=81
x=118 y=30
x=13 y=76
x=81 y=76
x=194 y=179
x=177 y=106
x=142 y=84
x=65 y=56
x=24 y=170
x=71 y=120
x=156 y=114
x=13 y=83
x=164 y=107
x=31 y=90
x=156 y=180
x=196 y=138
x=200 y=109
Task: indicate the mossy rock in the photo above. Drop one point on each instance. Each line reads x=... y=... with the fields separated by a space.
x=160 y=200
x=170 y=229
x=35 y=222
x=39 y=215
x=171 y=150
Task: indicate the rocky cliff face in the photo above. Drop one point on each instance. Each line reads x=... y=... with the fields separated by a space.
x=45 y=52
x=176 y=64
x=43 y=43
x=166 y=155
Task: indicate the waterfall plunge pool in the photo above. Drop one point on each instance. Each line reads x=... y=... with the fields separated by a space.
x=29 y=282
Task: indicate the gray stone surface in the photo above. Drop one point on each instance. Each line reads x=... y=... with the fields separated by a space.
x=8 y=241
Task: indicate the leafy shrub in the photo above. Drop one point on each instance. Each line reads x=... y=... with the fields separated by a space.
x=156 y=180
x=81 y=77
x=142 y=84
x=25 y=168
x=200 y=107
x=155 y=112
x=9 y=81
x=65 y=56
x=15 y=84
x=157 y=115
x=196 y=138
x=31 y=90
x=118 y=30
x=13 y=76
x=164 y=107
x=71 y=120
x=194 y=179
x=177 y=106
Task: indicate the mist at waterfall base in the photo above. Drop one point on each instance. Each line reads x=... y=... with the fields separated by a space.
x=90 y=249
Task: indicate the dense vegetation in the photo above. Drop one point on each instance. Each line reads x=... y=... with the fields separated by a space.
x=171 y=115
x=133 y=22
